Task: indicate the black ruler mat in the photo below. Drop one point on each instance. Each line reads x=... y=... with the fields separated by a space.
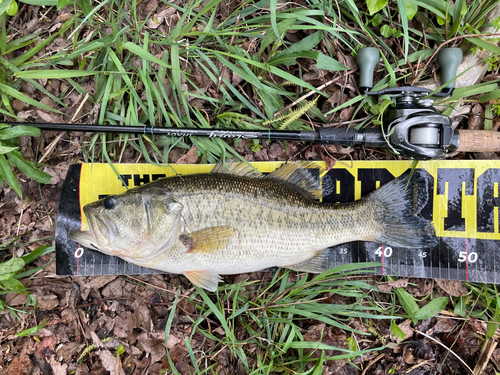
x=461 y=199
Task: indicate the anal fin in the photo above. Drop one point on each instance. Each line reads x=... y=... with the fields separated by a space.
x=316 y=264
x=208 y=280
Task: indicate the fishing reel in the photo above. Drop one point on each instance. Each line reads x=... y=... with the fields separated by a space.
x=413 y=127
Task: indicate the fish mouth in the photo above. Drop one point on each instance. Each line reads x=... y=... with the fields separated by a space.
x=101 y=232
x=85 y=238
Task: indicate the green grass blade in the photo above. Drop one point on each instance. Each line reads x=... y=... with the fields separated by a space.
x=54 y=74
x=404 y=22
x=17 y=61
x=18 y=95
x=490 y=47
x=9 y=176
x=47 y=3
x=28 y=168
x=408 y=302
x=143 y=54
x=220 y=316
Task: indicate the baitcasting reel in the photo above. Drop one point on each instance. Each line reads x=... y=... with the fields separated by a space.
x=414 y=128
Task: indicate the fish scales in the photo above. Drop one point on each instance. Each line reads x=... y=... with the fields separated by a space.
x=275 y=223
x=208 y=225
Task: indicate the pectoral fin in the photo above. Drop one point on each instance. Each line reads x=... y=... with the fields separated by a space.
x=208 y=280
x=317 y=264
x=208 y=240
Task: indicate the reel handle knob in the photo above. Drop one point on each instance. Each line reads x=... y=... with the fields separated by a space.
x=449 y=59
x=367 y=59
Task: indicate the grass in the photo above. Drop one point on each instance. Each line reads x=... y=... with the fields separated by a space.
x=146 y=76
x=13 y=270
x=199 y=69
x=262 y=325
x=268 y=319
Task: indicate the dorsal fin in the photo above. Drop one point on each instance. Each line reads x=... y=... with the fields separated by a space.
x=299 y=175
x=237 y=168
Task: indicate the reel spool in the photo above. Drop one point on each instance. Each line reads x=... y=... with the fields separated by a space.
x=425 y=136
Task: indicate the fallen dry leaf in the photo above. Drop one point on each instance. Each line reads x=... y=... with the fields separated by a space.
x=48 y=343
x=64 y=17
x=58 y=368
x=19 y=105
x=384 y=287
x=408 y=355
x=172 y=341
x=114 y=289
x=124 y=325
x=331 y=336
x=103 y=325
x=346 y=114
x=21 y=364
x=454 y=288
x=69 y=351
x=444 y=325
x=153 y=346
x=88 y=283
x=49 y=117
x=110 y=363
x=190 y=157
x=276 y=151
x=468 y=340
x=142 y=315
x=55 y=176
x=400 y=283
x=407 y=329
x=178 y=354
x=423 y=288
x=262 y=155
x=495 y=357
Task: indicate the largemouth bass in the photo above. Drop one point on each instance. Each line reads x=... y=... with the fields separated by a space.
x=236 y=221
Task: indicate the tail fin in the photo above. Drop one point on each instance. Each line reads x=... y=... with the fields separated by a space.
x=400 y=227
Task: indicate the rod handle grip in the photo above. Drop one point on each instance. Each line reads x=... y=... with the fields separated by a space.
x=367 y=59
x=478 y=141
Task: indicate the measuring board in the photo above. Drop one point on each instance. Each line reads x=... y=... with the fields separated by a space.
x=460 y=198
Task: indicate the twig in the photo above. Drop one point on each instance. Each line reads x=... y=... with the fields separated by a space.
x=79 y=108
x=19 y=225
x=448 y=349
x=216 y=354
x=51 y=146
x=485 y=356
x=418 y=365
x=77 y=313
x=372 y=362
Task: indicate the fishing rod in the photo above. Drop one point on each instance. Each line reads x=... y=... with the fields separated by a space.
x=413 y=128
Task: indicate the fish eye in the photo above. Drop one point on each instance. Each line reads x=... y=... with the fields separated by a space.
x=109 y=202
